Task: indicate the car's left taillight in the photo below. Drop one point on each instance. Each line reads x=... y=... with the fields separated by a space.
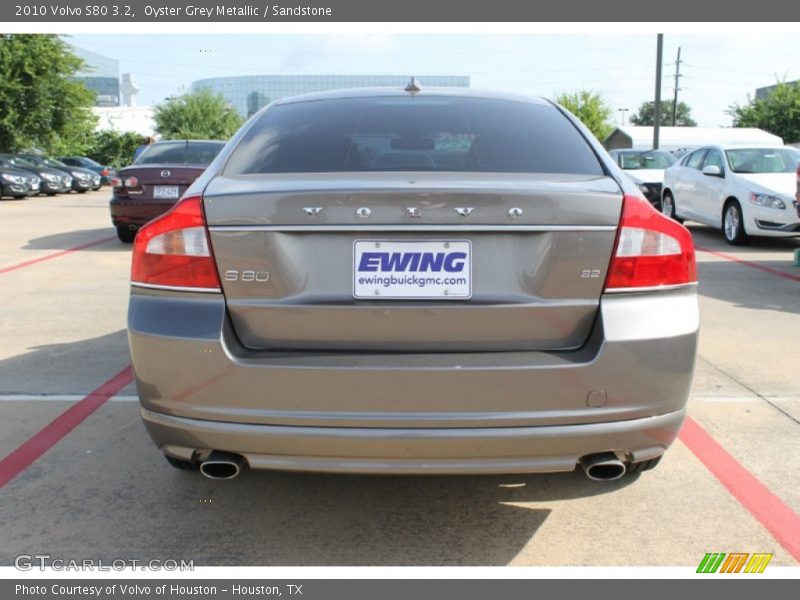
x=173 y=251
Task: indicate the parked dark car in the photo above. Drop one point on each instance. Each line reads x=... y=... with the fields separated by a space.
x=53 y=181
x=153 y=184
x=18 y=183
x=83 y=180
x=106 y=172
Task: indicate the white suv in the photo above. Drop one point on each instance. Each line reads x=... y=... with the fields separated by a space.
x=744 y=191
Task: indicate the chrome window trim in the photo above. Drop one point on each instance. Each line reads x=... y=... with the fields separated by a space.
x=389 y=228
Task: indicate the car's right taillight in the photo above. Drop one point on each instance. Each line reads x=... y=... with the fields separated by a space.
x=652 y=251
x=173 y=251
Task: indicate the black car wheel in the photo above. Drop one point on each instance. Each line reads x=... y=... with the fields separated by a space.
x=125 y=235
x=667 y=207
x=733 y=224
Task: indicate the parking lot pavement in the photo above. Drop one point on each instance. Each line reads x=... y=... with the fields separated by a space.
x=102 y=490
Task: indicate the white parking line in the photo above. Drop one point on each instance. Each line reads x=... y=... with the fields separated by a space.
x=58 y=398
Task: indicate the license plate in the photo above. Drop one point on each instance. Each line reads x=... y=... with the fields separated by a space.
x=167 y=192
x=414 y=270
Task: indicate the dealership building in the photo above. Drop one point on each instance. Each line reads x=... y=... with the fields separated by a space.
x=247 y=94
x=101 y=75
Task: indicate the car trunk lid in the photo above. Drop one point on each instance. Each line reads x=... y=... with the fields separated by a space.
x=534 y=250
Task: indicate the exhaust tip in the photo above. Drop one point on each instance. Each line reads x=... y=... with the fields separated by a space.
x=220 y=465
x=603 y=467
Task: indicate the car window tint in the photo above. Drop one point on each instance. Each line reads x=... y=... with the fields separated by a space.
x=763 y=160
x=696 y=159
x=413 y=134
x=202 y=153
x=163 y=153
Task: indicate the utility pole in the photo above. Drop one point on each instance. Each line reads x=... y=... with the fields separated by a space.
x=675 y=97
x=622 y=112
x=657 y=103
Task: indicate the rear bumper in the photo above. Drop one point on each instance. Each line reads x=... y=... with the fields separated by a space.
x=415 y=451
x=625 y=390
x=132 y=212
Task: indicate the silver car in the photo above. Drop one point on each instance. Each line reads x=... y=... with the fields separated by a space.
x=413 y=281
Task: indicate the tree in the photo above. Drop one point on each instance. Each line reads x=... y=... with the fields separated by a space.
x=778 y=112
x=200 y=115
x=42 y=103
x=592 y=109
x=645 y=115
x=113 y=148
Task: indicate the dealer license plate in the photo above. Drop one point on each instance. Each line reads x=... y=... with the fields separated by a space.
x=414 y=270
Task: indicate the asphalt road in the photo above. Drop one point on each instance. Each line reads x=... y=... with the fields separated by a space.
x=102 y=490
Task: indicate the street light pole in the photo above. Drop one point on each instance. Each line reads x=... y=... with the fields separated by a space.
x=657 y=103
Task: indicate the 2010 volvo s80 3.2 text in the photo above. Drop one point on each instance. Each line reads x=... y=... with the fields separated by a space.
x=406 y=281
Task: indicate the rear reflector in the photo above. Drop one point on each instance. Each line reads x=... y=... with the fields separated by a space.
x=652 y=250
x=173 y=250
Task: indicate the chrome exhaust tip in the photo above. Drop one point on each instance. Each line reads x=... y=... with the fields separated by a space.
x=222 y=465
x=603 y=467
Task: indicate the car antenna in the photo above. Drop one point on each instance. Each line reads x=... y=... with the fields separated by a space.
x=412 y=86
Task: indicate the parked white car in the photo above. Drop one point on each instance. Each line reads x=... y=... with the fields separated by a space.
x=646 y=169
x=745 y=191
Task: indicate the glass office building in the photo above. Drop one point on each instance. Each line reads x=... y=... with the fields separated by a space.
x=101 y=75
x=249 y=93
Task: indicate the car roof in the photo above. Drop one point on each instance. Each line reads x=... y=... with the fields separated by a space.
x=396 y=92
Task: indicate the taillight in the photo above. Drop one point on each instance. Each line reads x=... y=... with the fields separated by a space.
x=116 y=182
x=651 y=250
x=104 y=172
x=131 y=181
x=173 y=250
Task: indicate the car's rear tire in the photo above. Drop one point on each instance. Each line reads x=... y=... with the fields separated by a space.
x=645 y=465
x=125 y=235
x=183 y=465
x=668 y=207
x=733 y=224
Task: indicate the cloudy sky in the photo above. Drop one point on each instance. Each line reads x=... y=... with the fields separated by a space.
x=718 y=70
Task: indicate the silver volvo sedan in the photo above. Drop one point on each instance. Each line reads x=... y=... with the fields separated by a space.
x=413 y=281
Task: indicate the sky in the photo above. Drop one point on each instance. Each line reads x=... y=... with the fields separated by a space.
x=717 y=70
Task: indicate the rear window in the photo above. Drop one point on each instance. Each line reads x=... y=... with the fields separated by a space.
x=413 y=134
x=180 y=153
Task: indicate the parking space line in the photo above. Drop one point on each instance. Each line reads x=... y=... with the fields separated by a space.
x=780 y=520
x=58 y=398
x=748 y=263
x=21 y=458
x=34 y=261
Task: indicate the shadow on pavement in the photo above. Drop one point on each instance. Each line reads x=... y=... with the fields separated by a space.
x=70 y=239
x=65 y=368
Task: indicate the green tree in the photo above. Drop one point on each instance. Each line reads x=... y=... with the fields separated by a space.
x=42 y=103
x=645 y=115
x=591 y=108
x=113 y=148
x=196 y=116
x=778 y=113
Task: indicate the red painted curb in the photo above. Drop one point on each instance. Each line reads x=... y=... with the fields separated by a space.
x=752 y=265
x=34 y=261
x=780 y=520
x=21 y=458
